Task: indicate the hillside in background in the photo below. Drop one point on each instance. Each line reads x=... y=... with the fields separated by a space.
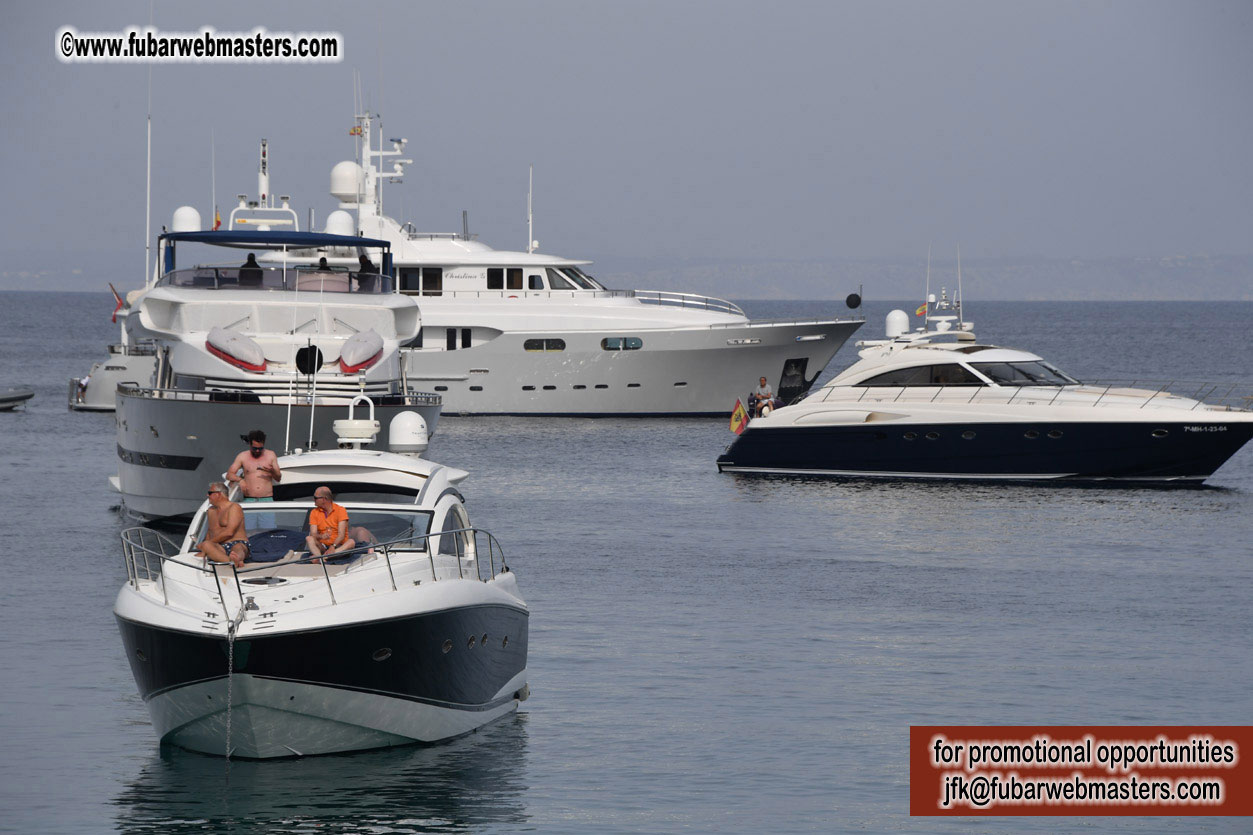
x=1190 y=278
x=1194 y=278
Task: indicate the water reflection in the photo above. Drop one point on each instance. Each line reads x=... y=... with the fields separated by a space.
x=466 y=784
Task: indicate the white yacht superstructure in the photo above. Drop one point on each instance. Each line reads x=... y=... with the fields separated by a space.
x=253 y=347
x=526 y=333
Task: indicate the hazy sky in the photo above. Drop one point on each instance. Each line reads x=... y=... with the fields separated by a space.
x=739 y=130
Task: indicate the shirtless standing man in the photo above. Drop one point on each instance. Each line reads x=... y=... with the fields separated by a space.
x=225 y=539
x=260 y=466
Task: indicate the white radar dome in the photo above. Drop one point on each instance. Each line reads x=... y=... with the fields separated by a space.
x=897 y=324
x=339 y=222
x=347 y=182
x=186 y=219
x=407 y=433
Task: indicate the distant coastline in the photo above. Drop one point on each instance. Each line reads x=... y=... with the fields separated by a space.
x=1142 y=278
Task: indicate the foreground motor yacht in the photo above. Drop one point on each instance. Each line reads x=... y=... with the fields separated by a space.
x=417 y=634
x=936 y=403
x=525 y=333
x=253 y=347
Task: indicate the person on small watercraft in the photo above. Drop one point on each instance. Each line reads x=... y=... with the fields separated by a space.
x=260 y=469
x=225 y=540
x=761 y=397
x=328 y=525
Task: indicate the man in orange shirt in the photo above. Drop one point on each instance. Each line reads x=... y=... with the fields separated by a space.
x=328 y=525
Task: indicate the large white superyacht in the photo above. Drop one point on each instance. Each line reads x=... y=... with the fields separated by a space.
x=513 y=332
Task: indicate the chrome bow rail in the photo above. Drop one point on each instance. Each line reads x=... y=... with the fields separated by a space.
x=328 y=394
x=1134 y=393
x=146 y=553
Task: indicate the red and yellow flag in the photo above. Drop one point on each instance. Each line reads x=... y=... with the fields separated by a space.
x=355 y=131
x=217 y=219
x=922 y=310
x=739 y=417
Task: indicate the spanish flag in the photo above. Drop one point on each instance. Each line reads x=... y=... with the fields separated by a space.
x=922 y=310
x=739 y=417
x=217 y=219
x=355 y=131
x=120 y=303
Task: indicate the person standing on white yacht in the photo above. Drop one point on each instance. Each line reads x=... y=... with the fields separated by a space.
x=260 y=469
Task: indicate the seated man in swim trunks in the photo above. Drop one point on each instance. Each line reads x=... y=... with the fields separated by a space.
x=225 y=539
x=328 y=525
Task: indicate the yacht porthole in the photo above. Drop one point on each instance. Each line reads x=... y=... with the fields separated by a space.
x=968 y=435
x=1160 y=433
x=141 y=655
x=931 y=436
x=504 y=642
x=441 y=388
x=470 y=643
x=601 y=386
x=1031 y=434
x=476 y=388
x=448 y=646
x=909 y=436
x=1055 y=433
x=528 y=388
x=550 y=388
x=382 y=654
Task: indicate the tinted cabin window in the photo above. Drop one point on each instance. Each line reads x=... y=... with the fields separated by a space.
x=465 y=337
x=432 y=281
x=544 y=345
x=1024 y=374
x=410 y=279
x=515 y=278
x=452 y=339
x=556 y=281
x=535 y=282
x=621 y=343
x=949 y=374
x=495 y=278
x=578 y=278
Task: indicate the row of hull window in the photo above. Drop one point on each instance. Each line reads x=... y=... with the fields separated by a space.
x=455 y=338
x=429 y=281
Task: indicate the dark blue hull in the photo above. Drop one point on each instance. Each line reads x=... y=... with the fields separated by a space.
x=1167 y=452
x=400 y=658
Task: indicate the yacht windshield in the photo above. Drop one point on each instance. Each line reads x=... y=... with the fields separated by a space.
x=582 y=279
x=1039 y=373
x=557 y=281
x=947 y=374
x=366 y=525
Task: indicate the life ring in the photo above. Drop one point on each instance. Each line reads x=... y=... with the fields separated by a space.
x=513 y=297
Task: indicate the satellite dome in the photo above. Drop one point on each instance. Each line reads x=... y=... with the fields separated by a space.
x=339 y=222
x=186 y=219
x=347 y=182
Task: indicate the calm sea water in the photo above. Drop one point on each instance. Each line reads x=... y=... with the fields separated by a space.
x=709 y=653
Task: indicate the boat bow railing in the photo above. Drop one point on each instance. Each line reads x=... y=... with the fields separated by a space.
x=689 y=300
x=146 y=553
x=1123 y=393
x=329 y=394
